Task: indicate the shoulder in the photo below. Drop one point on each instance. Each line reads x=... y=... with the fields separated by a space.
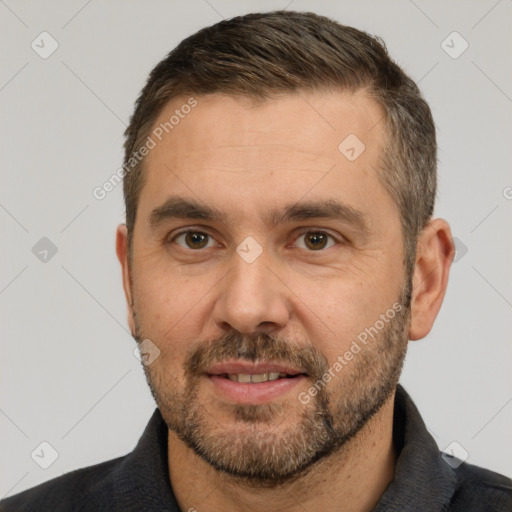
x=83 y=489
x=480 y=489
x=137 y=481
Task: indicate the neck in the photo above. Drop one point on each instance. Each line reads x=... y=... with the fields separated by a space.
x=352 y=479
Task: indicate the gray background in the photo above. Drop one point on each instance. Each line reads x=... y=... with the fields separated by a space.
x=68 y=373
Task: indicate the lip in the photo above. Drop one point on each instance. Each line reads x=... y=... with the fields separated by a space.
x=252 y=393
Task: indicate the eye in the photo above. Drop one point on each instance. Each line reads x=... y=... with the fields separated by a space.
x=194 y=240
x=315 y=241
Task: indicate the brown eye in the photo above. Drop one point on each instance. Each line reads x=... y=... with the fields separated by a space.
x=315 y=241
x=193 y=240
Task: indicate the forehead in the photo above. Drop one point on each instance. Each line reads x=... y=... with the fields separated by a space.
x=313 y=123
x=233 y=151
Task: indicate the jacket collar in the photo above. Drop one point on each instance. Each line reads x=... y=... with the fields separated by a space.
x=423 y=480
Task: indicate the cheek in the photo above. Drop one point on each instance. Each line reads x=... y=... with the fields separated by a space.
x=334 y=311
x=161 y=294
x=170 y=309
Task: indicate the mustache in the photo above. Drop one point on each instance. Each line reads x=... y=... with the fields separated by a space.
x=261 y=346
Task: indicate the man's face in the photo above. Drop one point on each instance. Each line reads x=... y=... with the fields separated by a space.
x=261 y=254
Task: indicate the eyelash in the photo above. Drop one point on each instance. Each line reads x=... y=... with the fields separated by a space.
x=309 y=231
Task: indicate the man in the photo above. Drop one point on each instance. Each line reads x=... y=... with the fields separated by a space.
x=278 y=254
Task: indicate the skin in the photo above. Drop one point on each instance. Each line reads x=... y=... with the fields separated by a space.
x=246 y=160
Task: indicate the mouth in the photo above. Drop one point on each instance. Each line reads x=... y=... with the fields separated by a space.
x=253 y=383
x=257 y=377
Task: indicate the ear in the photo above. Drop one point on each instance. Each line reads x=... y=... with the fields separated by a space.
x=123 y=257
x=435 y=251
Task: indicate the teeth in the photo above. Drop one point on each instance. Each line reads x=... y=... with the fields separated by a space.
x=259 y=377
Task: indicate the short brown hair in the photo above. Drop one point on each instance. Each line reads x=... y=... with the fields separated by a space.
x=262 y=55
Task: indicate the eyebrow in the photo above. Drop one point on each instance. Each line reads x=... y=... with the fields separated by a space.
x=181 y=208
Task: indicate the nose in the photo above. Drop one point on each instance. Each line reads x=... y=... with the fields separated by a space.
x=252 y=298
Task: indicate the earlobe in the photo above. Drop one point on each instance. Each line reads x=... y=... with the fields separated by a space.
x=123 y=257
x=435 y=251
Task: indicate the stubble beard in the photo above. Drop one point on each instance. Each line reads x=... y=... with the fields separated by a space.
x=276 y=443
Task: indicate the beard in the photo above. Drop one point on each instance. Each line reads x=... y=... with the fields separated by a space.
x=275 y=443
